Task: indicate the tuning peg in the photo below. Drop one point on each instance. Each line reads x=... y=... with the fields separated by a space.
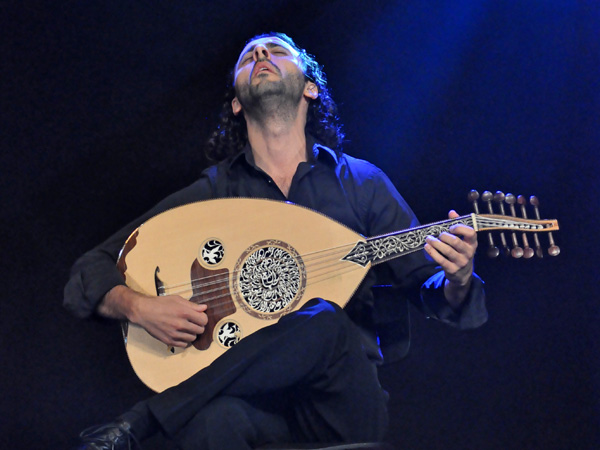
x=554 y=249
x=527 y=250
x=473 y=197
x=499 y=199
x=492 y=251
x=516 y=252
x=538 y=248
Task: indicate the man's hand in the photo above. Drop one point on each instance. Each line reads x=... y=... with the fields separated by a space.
x=454 y=252
x=171 y=319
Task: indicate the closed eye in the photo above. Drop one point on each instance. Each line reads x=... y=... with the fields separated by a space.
x=277 y=50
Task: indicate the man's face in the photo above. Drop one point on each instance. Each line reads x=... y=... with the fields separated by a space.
x=267 y=58
x=268 y=70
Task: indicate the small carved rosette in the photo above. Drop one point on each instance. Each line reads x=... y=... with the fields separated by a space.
x=228 y=333
x=269 y=279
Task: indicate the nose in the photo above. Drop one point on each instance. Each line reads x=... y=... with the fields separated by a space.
x=261 y=52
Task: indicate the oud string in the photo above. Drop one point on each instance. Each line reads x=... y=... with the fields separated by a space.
x=327 y=260
x=225 y=280
x=320 y=260
x=307 y=258
x=314 y=262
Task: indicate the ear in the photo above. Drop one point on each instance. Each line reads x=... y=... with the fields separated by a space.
x=236 y=106
x=311 y=90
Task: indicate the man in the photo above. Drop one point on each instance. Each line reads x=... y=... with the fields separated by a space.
x=312 y=376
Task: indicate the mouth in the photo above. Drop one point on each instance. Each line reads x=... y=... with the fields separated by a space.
x=263 y=67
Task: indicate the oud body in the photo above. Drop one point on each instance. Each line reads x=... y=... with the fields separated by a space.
x=209 y=246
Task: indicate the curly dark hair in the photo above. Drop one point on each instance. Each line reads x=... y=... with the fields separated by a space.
x=231 y=135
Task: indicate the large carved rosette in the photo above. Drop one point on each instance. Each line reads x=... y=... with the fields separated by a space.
x=269 y=279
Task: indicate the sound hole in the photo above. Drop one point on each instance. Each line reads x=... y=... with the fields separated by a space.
x=229 y=334
x=270 y=279
x=212 y=252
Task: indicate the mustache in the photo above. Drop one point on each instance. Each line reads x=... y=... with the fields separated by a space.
x=265 y=60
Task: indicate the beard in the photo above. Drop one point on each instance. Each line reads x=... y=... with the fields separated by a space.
x=271 y=99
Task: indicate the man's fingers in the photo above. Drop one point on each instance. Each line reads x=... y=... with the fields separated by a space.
x=450 y=252
x=467 y=233
x=174 y=320
x=448 y=245
x=462 y=247
x=197 y=318
x=190 y=328
x=440 y=251
x=193 y=312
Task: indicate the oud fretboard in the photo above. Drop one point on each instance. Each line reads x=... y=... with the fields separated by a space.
x=378 y=249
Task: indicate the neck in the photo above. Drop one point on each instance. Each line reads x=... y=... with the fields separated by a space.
x=278 y=142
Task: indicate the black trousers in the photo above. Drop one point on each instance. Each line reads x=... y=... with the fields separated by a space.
x=305 y=378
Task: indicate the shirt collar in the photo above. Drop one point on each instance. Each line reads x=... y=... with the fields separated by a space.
x=318 y=152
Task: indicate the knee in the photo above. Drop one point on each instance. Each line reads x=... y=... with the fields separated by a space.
x=222 y=417
x=224 y=411
x=320 y=306
x=326 y=317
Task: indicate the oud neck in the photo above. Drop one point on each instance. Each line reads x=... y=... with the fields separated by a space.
x=382 y=248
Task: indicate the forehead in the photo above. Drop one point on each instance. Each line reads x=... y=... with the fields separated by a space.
x=269 y=42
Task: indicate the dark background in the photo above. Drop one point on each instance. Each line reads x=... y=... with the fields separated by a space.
x=105 y=109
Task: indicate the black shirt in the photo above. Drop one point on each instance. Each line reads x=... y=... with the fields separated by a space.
x=349 y=190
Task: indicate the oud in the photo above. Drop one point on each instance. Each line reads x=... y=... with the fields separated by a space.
x=252 y=261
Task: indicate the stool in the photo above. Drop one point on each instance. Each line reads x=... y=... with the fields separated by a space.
x=332 y=446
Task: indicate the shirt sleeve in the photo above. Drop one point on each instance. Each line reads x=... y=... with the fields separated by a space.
x=95 y=273
x=472 y=312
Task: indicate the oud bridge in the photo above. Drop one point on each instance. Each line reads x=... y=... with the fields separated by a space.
x=512 y=244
